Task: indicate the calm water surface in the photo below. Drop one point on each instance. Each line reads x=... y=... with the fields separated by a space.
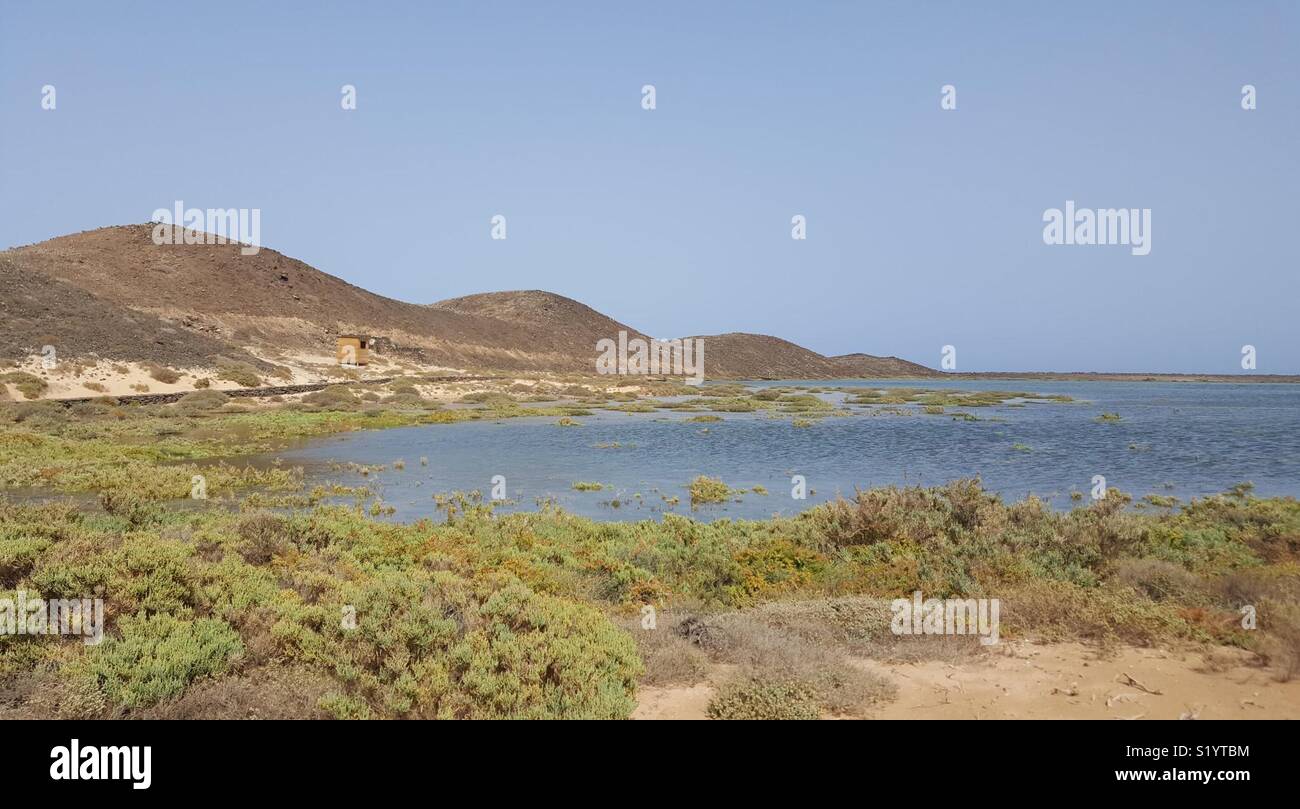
x=1180 y=439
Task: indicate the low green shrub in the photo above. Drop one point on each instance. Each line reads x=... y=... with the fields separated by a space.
x=156 y=657
x=163 y=374
x=241 y=373
x=335 y=397
x=759 y=699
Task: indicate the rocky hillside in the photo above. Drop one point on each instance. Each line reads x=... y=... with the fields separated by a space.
x=114 y=294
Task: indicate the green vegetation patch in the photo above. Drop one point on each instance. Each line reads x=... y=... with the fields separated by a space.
x=156 y=657
x=241 y=373
x=705 y=489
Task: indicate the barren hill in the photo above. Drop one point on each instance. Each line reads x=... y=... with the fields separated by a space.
x=738 y=355
x=577 y=325
x=866 y=365
x=267 y=299
x=37 y=310
x=112 y=292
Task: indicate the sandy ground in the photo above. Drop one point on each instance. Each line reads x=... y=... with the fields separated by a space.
x=115 y=379
x=68 y=380
x=1056 y=681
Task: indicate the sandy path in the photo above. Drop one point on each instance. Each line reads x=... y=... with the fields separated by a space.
x=687 y=702
x=1065 y=681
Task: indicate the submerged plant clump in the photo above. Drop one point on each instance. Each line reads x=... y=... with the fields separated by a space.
x=705 y=489
x=934 y=398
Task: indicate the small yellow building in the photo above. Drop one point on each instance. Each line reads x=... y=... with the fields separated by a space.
x=354 y=349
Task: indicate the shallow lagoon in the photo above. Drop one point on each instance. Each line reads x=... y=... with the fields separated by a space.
x=1178 y=439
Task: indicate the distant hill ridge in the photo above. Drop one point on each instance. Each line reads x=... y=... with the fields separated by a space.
x=113 y=293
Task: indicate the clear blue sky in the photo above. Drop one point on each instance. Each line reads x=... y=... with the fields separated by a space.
x=924 y=225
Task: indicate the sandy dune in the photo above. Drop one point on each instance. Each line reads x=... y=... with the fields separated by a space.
x=1056 y=681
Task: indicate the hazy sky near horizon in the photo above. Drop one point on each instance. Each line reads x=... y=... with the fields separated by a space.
x=924 y=225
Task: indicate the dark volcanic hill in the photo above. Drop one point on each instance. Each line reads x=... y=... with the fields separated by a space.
x=113 y=293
